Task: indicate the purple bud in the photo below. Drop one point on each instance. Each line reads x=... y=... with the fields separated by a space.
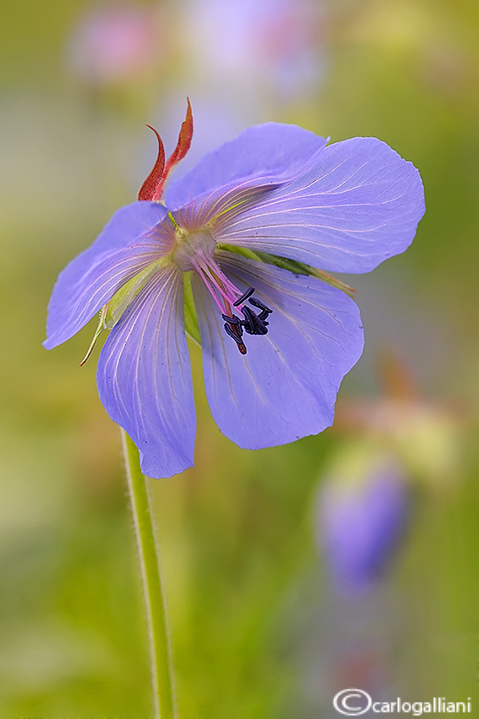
x=360 y=524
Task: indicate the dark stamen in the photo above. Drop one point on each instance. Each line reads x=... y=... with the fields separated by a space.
x=253 y=324
x=231 y=320
x=257 y=303
x=244 y=297
x=234 y=322
x=232 y=334
x=248 y=322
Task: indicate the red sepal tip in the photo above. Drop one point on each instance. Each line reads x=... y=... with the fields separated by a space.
x=150 y=185
x=184 y=141
x=152 y=188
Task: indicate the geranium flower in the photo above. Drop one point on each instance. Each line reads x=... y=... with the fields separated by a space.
x=241 y=235
x=362 y=513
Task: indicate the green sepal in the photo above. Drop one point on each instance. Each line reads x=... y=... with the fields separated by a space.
x=297 y=268
x=191 y=320
x=127 y=293
x=112 y=311
x=98 y=331
x=243 y=251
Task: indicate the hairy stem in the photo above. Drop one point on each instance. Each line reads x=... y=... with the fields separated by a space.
x=152 y=588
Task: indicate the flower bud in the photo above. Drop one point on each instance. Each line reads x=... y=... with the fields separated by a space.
x=361 y=514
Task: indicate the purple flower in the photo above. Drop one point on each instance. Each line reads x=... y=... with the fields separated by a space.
x=277 y=339
x=361 y=522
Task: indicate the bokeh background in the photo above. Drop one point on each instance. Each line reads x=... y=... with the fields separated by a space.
x=346 y=559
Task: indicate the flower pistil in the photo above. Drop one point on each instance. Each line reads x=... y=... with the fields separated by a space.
x=194 y=251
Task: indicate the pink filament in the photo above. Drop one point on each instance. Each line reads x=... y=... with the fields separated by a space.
x=216 y=282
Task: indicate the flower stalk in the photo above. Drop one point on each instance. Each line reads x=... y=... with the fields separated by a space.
x=160 y=655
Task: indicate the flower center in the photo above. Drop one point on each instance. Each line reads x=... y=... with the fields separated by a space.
x=194 y=251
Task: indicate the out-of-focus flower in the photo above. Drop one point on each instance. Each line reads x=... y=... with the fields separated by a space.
x=240 y=234
x=114 y=42
x=362 y=511
x=427 y=436
x=276 y=44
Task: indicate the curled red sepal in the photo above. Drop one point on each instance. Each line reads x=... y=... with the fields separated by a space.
x=152 y=188
x=182 y=146
x=149 y=188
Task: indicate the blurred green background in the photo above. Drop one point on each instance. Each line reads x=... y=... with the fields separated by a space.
x=260 y=629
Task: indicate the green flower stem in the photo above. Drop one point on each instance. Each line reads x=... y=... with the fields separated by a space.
x=150 y=572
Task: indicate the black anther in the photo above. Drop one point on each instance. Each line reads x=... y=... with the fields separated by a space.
x=232 y=334
x=248 y=322
x=244 y=297
x=253 y=324
x=257 y=303
x=234 y=322
x=261 y=328
x=231 y=320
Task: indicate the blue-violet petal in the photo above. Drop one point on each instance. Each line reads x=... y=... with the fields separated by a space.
x=144 y=376
x=358 y=205
x=133 y=239
x=264 y=157
x=285 y=386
